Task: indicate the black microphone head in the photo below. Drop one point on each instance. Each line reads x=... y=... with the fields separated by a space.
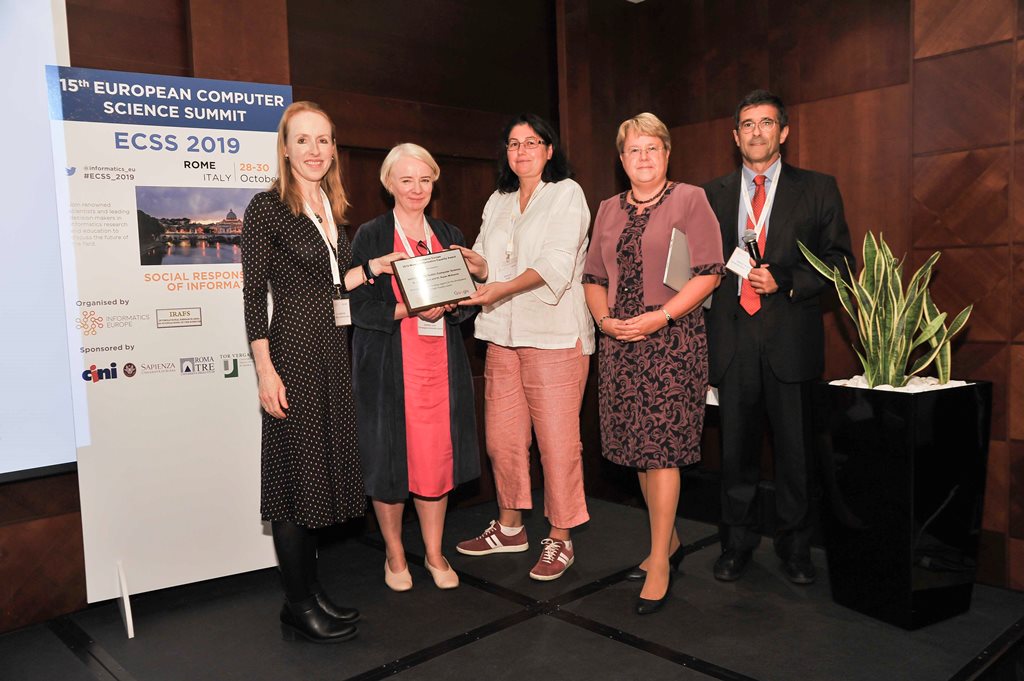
x=749 y=237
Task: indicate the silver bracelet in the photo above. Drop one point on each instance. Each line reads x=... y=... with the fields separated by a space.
x=600 y=323
x=668 y=318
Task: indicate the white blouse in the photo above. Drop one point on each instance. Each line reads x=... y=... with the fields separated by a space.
x=550 y=237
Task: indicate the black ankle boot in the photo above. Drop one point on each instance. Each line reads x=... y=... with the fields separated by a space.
x=338 y=612
x=306 y=619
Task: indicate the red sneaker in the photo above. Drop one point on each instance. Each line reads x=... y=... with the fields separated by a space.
x=493 y=540
x=555 y=559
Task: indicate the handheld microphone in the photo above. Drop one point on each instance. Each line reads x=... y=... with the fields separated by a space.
x=750 y=239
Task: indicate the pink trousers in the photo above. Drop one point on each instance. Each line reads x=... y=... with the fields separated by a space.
x=542 y=390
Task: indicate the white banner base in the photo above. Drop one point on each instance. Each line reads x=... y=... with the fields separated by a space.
x=125 y=603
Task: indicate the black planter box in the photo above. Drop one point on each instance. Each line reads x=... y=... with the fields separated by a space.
x=904 y=480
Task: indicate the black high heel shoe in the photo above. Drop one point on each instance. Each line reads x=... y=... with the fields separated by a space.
x=646 y=606
x=338 y=612
x=307 y=620
x=638 y=574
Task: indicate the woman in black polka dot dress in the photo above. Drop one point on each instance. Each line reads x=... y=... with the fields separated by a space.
x=311 y=476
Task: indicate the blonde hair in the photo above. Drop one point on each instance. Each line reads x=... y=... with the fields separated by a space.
x=643 y=124
x=287 y=188
x=400 y=151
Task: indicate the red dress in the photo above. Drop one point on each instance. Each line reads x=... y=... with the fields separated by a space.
x=427 y=418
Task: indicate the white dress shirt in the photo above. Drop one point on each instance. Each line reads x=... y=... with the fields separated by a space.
x=550 y=237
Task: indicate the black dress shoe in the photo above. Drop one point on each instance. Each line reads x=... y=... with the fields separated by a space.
x=638 y=574
x=731 y=564
x=338 y=612
x=799 y=570
x=307 y=620
x=645 y=606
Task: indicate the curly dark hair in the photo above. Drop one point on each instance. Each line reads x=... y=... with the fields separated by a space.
x=557 y=167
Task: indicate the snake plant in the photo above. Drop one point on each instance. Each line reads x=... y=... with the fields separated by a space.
x=892 y=323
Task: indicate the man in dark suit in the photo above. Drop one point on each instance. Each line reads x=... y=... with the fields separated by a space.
x=765 y=334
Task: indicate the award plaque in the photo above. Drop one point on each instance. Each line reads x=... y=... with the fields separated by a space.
x=428 y=281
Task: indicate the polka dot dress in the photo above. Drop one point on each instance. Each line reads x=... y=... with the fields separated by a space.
x=310 y=463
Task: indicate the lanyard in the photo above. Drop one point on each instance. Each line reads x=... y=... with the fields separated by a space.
x=766 y=208
x=513 y=218
x=335 y=270
x=427 y=236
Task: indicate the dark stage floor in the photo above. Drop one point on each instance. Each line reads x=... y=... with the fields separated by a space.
x=502 y=625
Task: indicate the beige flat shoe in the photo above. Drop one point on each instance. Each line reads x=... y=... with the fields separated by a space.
x=444 y=579
x=397 y=581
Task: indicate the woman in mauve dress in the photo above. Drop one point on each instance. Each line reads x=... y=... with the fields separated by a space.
x=653 y=359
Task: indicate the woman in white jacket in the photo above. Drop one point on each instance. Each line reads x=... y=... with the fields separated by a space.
x=530 y=253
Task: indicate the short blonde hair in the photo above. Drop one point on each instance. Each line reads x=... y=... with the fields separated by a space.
x=399 y=152
x=643 y=124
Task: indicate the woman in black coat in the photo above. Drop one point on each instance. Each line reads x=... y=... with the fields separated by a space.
x=414 y=394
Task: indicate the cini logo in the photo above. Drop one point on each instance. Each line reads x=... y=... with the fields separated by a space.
x=95 y=375
x=231 y=368
x=89 y=323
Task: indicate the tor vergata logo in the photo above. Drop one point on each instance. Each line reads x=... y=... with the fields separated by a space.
x=89 y=323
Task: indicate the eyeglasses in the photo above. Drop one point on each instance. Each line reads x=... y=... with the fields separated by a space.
x=422 y=248
x=766 y=125
x=529 y=143
x=637 y=152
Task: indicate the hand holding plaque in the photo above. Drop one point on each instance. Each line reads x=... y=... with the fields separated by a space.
x=432 y=280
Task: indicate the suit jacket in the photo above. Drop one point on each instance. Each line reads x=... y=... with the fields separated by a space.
x=377 y=376
x=807 y=207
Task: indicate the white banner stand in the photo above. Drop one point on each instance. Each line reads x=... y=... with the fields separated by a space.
x=125 y=602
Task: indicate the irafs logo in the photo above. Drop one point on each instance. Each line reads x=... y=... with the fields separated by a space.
x=95 y=375
x=189 y=366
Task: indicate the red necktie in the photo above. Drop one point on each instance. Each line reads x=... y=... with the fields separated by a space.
x=749 y=300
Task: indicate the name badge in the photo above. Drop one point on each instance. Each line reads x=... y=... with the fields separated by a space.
x=425 y=328
x=342 y=312
x=739 y=263
x=507 y=270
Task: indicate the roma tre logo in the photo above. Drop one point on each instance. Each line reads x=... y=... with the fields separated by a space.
x=94 y=375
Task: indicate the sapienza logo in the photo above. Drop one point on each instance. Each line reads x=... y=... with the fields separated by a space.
x=95 y=375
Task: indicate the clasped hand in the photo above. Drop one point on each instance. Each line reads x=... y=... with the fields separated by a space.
x=635 y=328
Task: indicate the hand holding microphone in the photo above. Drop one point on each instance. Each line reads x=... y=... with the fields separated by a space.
x=750 y=239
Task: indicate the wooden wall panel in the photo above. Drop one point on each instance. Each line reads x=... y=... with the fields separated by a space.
x=123 y=35
x=963 y=100
x=1016 y=396
x=1016 y=494
x=42 y=569
x=472 y=55
x=1015 y=564
x=1016 y=302
x=868 y=156
x=978 y=276
x=1017 y=195
x=962 y=198
x=380 y=123
x=722 y=50
x=703 y=151
x=996 y=516
x=1018 y=92
x=948 y=25
x=258 y=53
